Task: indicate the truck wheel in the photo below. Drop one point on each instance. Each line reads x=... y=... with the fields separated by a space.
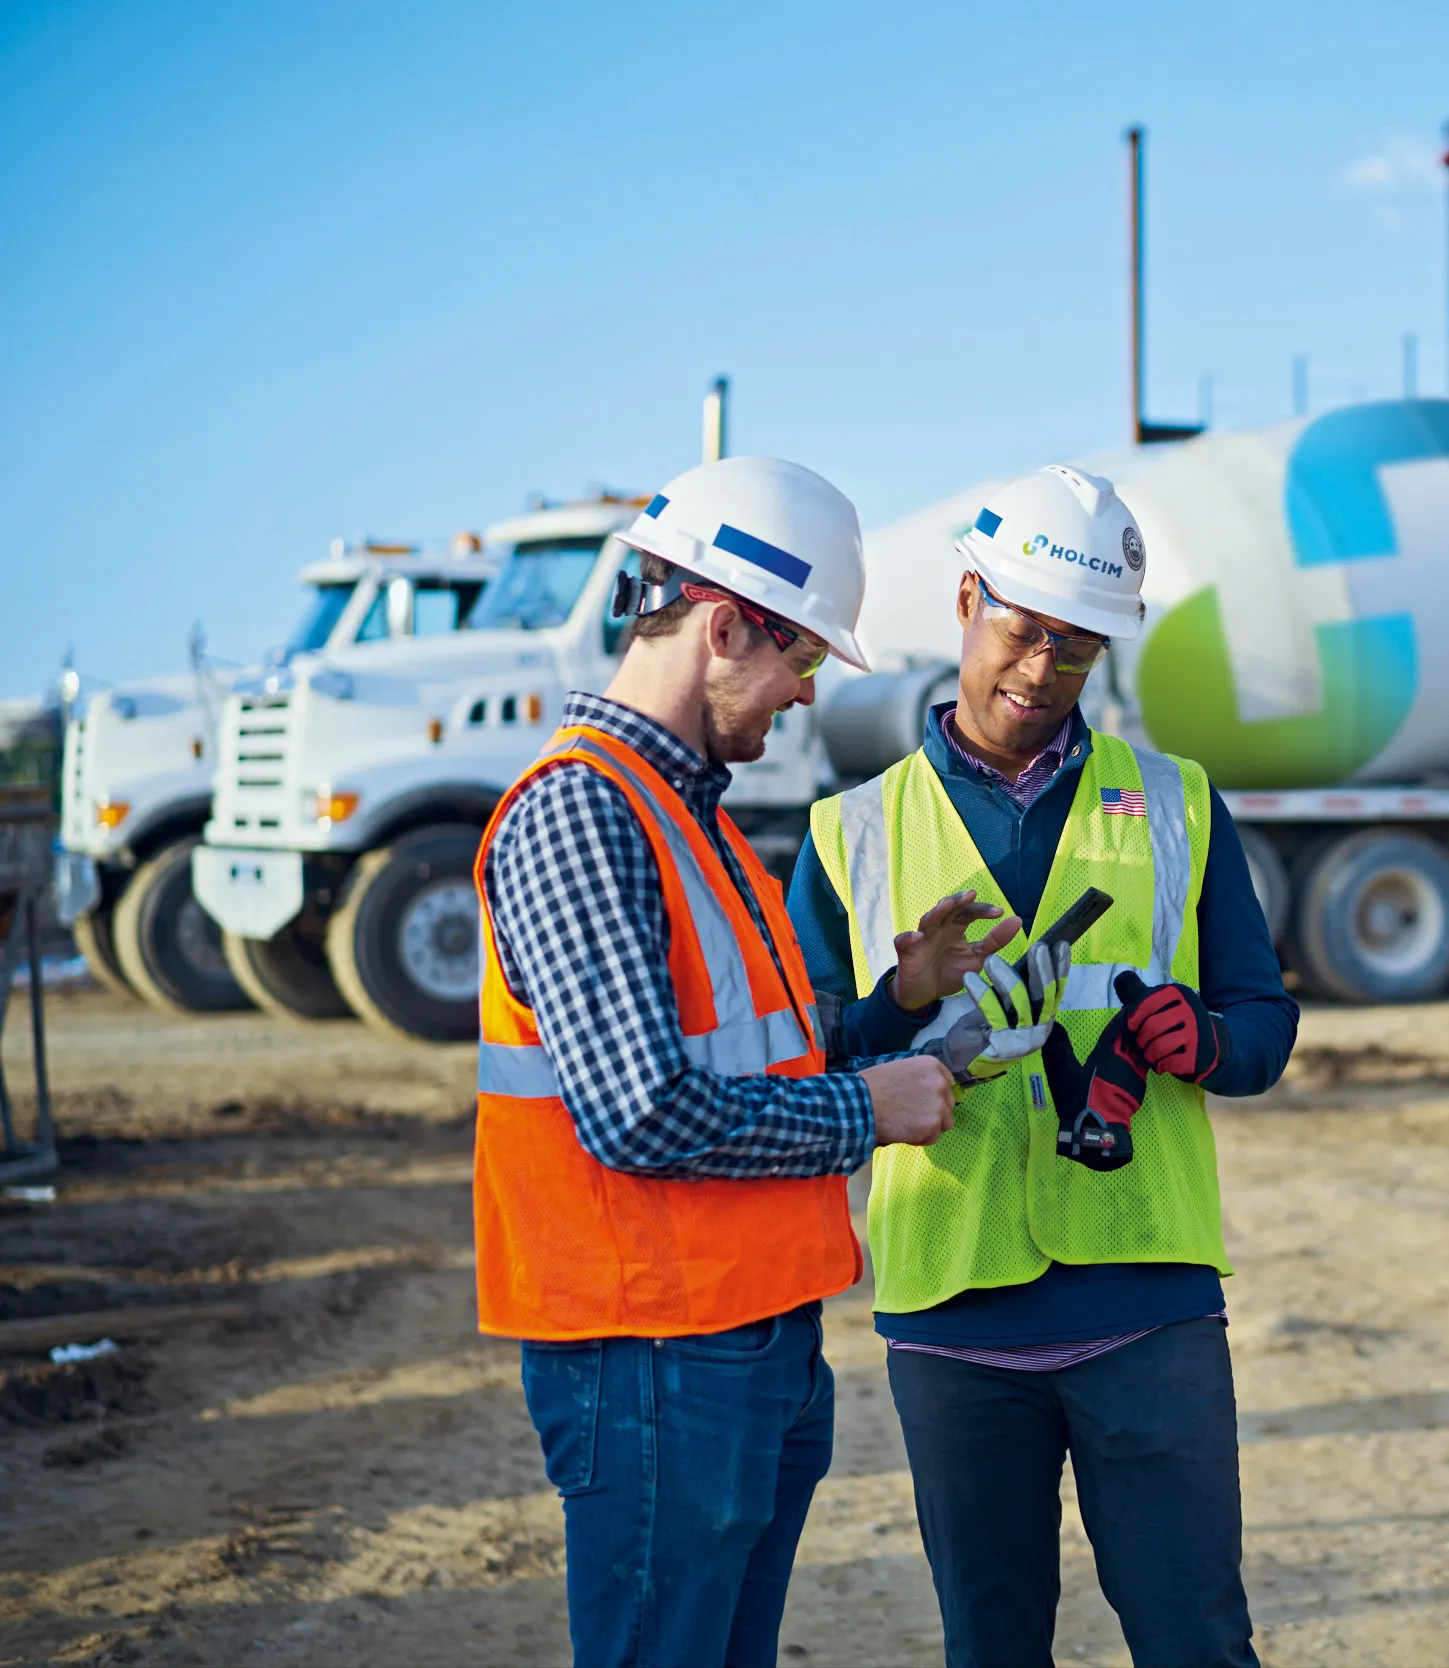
x=1270 y=880
x=286 y=975
x=92 y=934
x=1373 y=918
x=167 y=946
x=403 y=939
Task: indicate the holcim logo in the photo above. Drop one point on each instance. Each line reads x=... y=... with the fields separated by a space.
x=1034 y=547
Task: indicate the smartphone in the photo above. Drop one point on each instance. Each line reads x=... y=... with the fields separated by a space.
x=1085 y=912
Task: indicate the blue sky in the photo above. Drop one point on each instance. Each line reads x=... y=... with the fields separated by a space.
x=275 y=272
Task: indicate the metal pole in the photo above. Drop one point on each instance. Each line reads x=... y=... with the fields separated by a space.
x=1134 y=269
x=44 y=1126
x=716 y=402
x=9 y=956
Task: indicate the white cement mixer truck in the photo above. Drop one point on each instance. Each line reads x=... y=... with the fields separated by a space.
x=138 y=765
x=1297 y=578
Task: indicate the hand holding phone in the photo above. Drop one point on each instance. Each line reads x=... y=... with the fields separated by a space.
x=1067 y=929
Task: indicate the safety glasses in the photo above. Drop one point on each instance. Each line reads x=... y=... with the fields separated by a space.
x=812 y=654
x=1025 y=635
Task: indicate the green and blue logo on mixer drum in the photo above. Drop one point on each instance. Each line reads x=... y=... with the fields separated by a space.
x=1337 y=513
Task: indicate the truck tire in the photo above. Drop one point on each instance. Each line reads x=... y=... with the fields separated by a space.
x=92 y=934
x=1270 y=880
x=286 y=975
x=167 y=946
x=1372 y=923
x=403 y=940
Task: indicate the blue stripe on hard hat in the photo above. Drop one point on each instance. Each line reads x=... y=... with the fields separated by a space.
x=987 y=522
x=767 y=556
x=657 y=503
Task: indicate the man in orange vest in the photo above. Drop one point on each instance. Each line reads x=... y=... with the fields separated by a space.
x=660 y=1183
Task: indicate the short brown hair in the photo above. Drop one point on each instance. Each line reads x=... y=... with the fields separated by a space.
x=654 y=570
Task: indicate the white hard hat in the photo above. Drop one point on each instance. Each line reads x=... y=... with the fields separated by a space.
x=778 y=535
x=1061 y=542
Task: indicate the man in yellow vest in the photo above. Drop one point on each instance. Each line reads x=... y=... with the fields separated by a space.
x=661 y=1158
x=1048 y=1275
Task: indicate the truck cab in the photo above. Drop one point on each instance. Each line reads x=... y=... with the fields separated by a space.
x=136 y=795
x=352 y=788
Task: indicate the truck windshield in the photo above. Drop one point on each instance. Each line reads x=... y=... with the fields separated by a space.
x=439 y=607
x=323 y=611
x=538 y=587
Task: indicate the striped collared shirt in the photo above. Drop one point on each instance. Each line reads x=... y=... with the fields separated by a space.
x=1036 y=775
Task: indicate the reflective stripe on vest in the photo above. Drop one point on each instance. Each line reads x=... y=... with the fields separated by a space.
x=732 y=1051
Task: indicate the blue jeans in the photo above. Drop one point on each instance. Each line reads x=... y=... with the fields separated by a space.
x=686 y=1467
x=1152 y=1431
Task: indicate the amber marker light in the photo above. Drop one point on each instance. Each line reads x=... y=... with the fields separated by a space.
x=337 y=807
x=533 y=708
x=111 y=813
x=435 y=730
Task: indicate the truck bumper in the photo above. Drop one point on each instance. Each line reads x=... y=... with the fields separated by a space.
x=251 y=893
x=77 y=886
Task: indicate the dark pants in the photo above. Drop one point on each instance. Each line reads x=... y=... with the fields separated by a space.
x=1152 y=1431
x=686 y=1467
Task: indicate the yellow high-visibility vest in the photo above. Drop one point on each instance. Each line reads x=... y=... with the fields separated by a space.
x=991 y=1203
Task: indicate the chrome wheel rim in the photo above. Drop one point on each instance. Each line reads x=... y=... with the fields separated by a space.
x=1398 y=921
x=438 y=941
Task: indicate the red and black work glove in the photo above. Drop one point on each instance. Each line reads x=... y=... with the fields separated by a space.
x=1172 y=1028
x=1096 y=1098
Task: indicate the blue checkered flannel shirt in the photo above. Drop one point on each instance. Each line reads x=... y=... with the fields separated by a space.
x=578 y=917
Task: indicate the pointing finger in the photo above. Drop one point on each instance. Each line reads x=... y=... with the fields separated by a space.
x=946 y=909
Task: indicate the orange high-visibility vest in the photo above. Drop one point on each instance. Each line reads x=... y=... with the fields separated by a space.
x=568 y=1248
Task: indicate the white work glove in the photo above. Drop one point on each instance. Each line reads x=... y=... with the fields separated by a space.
x=1011 y=1019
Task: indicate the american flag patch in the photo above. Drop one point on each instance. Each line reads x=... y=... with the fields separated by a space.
x=1123 y=802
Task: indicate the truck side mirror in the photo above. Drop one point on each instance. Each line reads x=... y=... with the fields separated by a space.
x=400 y=607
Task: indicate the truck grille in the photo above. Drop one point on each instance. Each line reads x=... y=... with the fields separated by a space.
x=255 y=734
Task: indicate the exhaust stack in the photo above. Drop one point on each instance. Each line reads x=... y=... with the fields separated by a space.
x=716 y=402
x=1144 y=433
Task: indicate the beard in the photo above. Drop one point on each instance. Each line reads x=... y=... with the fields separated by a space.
x=736 y=727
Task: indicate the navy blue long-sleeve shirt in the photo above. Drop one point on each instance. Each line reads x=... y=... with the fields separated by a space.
x=1239 y=978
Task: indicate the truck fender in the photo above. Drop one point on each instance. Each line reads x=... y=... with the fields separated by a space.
x=164 y=825
x=440 y=802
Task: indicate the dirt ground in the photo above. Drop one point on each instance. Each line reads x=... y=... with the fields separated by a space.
x=343 y=1472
